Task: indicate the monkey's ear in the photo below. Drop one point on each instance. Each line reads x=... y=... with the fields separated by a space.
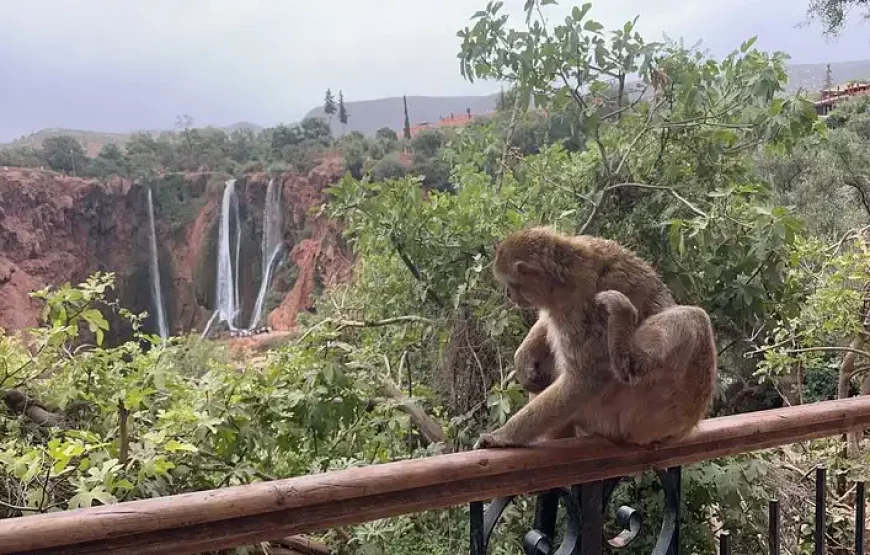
x=525 y=269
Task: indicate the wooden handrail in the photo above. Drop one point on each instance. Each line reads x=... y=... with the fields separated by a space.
x=218 y=519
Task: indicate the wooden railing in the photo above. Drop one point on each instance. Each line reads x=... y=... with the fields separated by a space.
x=218 y=519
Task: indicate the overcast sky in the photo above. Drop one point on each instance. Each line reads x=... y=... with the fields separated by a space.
x=121 y=65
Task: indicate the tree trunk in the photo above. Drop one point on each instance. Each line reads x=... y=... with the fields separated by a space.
x=847 y=371
x=431 y=430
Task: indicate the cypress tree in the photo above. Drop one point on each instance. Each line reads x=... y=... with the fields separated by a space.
x=407 y=119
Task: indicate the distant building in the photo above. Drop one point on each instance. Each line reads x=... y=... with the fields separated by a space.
x=831 y=97
x=453 y=120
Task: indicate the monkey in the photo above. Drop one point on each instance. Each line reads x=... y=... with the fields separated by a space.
x=533 y=360
x=535 y=367
x=628 y=363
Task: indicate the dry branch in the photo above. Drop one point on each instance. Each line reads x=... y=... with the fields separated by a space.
x=431 y=430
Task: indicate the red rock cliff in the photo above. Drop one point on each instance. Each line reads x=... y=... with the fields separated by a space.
x=55 y=228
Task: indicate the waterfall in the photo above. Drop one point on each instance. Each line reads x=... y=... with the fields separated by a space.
x=156 y=290
x=238 y=246
x=227 y=288
x=271 y=245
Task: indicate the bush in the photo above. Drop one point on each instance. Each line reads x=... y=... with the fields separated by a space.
x=389 y=167
x=64 y=153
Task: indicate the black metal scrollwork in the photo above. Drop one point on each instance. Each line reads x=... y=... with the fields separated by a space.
x=584 y=507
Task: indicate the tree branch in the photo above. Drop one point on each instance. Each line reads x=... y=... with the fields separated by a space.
x=428 y=426
x=400 y=250
x=609 y=188
x=342 y=324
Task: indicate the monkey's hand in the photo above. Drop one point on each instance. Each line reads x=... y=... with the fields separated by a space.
x=494 y=440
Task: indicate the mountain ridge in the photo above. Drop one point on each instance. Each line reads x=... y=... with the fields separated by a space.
x=367 y=116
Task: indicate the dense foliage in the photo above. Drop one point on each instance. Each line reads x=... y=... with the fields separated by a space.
x=833 y=14
x=748 y=205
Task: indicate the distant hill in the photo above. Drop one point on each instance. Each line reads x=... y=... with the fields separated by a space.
x=242 y=125
x=370 y=115
x=811 y=77
x=367 y=116
x=93 y=141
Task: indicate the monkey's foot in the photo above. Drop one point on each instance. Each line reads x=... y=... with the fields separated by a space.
x=615 y=303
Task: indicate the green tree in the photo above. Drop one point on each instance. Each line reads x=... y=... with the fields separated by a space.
x=245 y=146
x=386 y=134
x=64 y=153
x=329 y=104
x=213 y=146
x=505 y=102
x=833 y=13
x=428 y=142
x=315 y=129
x=21 y=156
x=282 y=135
x=342 y=111
x=407 y=128
x=388 y=167
x=110 y=161
x=143 y=154
x=829 y=78
x=190 y=151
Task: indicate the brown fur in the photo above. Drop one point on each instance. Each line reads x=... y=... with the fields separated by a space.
x=611 y=352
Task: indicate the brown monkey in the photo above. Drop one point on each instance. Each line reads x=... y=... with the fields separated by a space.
x=536 y=369
x=630 y=364
x=533 y=359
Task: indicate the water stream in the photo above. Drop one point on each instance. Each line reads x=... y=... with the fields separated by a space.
x=156 y=289
x=227 y=286
x=271 y=245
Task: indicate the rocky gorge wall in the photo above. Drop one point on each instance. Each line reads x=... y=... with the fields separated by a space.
x=55 y=229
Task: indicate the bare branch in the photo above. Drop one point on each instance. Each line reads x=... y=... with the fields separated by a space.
x=609 y=188
x=342 y=324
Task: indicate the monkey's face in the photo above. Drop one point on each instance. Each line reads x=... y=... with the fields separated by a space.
x=522 y=283
x=521 y=266
x=514 y=292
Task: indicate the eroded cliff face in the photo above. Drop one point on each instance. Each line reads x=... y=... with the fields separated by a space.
x=56 y=229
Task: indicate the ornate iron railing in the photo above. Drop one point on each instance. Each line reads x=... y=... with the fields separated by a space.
x=243 y=515
x=584 y=507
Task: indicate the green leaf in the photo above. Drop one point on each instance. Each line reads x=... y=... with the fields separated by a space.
x=776 y=106
x=578 y=13
x=592 y=26
x=174 y=445
x=744 y=48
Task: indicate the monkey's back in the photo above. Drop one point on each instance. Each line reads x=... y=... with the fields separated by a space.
x=672 y=397
x=677 y=393
x=622 y=270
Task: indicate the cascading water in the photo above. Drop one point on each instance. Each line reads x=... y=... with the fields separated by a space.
x=156 y=290
x=271 y=245
x=227 y=282
x=238 y=247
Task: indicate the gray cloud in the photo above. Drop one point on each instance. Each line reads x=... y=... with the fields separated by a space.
x=118 y=66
